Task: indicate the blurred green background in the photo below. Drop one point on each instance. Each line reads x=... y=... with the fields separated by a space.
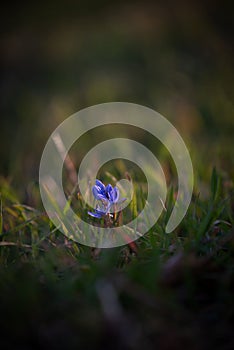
x=172 y=291
x=59 y=57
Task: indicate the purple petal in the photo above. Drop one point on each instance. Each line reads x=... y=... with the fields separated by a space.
x=101 y=185
x=95 y=215
x=115 y=195
x=98 y=193
x=99 y=211
x=109 y=190
x=102 y=198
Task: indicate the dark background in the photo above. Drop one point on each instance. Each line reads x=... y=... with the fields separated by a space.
x=59 y=57
x=174 y=291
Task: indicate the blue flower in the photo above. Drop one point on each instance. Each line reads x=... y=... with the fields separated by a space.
x=99 y=212
x=108 y=195
x=105 y=193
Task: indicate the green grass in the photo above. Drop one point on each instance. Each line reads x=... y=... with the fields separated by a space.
x=176 y=292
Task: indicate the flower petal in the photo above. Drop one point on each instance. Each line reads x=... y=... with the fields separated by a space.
x=101 y=185
x=95 y=215
x=115 y=194
x=109 y=190
x=98 y=193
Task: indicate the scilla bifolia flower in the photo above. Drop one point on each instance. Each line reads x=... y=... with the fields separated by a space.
x=109 y=198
